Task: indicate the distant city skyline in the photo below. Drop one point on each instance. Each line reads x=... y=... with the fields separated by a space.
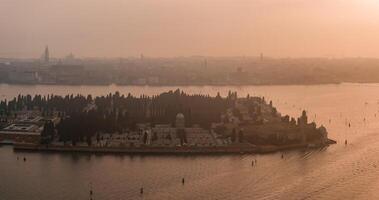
x=170 y=28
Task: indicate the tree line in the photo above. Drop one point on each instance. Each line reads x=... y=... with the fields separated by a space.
x=119 y=113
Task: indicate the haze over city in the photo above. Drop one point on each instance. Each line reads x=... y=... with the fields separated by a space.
x=189 y=99
x=170 y=28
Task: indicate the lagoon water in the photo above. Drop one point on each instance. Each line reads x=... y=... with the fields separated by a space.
x=336 y=172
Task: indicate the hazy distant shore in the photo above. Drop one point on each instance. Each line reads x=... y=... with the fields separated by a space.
x=189 y=71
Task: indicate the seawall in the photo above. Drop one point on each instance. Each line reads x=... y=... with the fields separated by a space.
x=160 y=150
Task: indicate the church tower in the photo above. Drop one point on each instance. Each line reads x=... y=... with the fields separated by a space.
x=47 y=55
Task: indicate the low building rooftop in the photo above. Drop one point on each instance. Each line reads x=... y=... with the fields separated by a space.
x=19 y=128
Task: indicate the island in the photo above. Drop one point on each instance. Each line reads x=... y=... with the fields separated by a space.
x=172 y=122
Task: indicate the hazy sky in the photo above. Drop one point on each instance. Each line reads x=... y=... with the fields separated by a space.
x=121 y=28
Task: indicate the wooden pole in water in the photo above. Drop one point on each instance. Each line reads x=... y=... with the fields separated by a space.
x=90 y=192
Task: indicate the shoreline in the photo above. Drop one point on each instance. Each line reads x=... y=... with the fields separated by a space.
x=165 y=150
x=185 y=85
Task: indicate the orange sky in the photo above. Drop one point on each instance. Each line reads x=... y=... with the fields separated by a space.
x=121 y=28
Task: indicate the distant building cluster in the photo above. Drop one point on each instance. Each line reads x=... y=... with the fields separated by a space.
x=195 y=70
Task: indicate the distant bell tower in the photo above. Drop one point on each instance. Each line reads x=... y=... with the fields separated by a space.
x=47 y=55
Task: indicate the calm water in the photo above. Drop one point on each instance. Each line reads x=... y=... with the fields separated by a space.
x=338 y=172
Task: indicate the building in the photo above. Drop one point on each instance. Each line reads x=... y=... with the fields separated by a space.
x=166 y=135
x=197 y=136
x=25 y=127
x=23 y=76
x=21 y=133
x=68 y=74
x=180 y=121
x=47 y=55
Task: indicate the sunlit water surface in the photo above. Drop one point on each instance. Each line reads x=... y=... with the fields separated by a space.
x=337 y=172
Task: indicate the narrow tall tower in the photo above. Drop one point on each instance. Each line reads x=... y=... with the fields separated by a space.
x=47 y=55
x=142 y=56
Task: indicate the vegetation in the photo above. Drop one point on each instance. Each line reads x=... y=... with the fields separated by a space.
x=117 y=113
x=246 y=119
